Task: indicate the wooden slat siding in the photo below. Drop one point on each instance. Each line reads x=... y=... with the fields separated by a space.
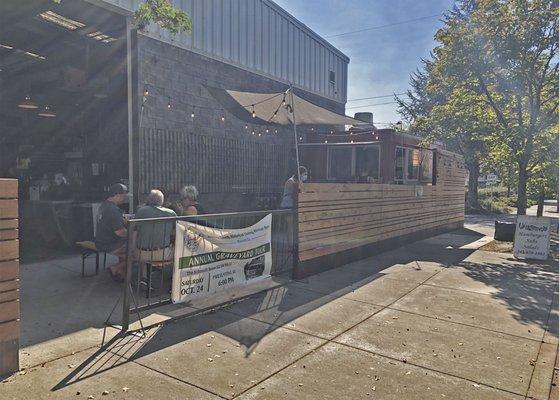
x=338 y=217
x=9 y=277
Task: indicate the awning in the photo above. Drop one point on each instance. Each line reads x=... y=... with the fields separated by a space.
x=277 y=108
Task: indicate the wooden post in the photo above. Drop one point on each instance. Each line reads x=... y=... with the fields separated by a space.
x=9 y=277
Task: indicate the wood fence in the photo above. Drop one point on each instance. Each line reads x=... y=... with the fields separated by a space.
x=9 y=277
x=336 y=218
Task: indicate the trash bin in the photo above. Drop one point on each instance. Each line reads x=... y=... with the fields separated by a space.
x=504 y=231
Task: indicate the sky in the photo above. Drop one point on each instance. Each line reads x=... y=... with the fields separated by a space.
x=381 y=59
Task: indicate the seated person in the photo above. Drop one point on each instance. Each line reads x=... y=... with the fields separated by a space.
x=188 y=203
x=154 y=239
x=111 y=231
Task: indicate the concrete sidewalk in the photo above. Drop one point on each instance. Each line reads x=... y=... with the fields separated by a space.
x=435 y=319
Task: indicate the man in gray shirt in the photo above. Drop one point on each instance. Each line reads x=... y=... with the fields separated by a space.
x=154 y=239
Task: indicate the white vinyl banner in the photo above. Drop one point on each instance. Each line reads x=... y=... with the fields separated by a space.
x=531 y=239
x=209 y=260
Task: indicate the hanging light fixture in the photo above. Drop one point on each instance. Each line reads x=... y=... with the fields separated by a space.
x=253 y=112
x=192 y=114
x=47 y=113
x=246 y=126
x=28 y=104
x=223 y=118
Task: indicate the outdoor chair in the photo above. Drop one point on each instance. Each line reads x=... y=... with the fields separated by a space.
x=150 y=265
x=88 y=249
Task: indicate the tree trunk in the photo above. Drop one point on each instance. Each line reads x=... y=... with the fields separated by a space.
x=473 y=168
x=541 y=201
x=557 y=201
x=522 y=180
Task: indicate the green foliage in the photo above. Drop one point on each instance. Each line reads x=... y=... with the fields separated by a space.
x=491 y=89
x=495 y=200
x=162 y=13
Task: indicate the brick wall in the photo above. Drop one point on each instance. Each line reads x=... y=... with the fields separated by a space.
x=170 y=139
x=9 y=277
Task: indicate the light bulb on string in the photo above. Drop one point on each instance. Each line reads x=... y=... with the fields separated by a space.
x=192 y=114
x=146 y=92
x=326 y=141
x=246 y=126
x=253 y=112
x=276 y=131
x=223 y=118
x=259 y=134
x=253 y=132
x=169 y=104
x=267 y=130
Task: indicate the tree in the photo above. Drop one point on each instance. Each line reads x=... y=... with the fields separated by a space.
x=445 y=109
x=164 y=14
x=503 y=56
x=511 y=49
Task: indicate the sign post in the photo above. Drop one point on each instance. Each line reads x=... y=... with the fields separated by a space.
x=531 y=239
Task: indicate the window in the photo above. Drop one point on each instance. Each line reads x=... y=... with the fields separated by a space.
x=407 y=164
x=367 y=162
x=340 y=163
x=426 y=166
x=399 y=164
x=332 y=77
x=413 y=163
x=354 y=163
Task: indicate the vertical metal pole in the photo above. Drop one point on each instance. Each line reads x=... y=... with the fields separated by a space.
x=128 y=277
x=295 y=133
x=130 y=114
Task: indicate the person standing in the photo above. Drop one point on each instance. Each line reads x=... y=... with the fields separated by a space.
x=291 y=187
x=111 y=232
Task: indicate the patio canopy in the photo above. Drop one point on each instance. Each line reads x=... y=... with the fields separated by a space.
x=277 y=108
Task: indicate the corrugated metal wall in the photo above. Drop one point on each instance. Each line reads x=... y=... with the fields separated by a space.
x=262 y=37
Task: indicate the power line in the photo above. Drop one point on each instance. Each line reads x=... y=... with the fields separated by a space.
x=372 y=105
x=377 y=97
x=384 y=26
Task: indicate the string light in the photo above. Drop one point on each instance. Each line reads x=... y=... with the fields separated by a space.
x=312 y=129
x=276 y=131
x=253 y=132
x=146 y=92
x=223 y=118
x=331 y=132
x=192 y=114
x=246 y=126
x=169 y=104
x=326 y=141
x=259 y=134
x=253 y=112
x=267 y=130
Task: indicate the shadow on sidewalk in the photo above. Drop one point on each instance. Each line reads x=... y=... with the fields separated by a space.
x=276 y=307
x=526 y=288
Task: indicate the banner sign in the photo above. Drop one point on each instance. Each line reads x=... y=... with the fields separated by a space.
x=531 y=239
x=209 y=260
